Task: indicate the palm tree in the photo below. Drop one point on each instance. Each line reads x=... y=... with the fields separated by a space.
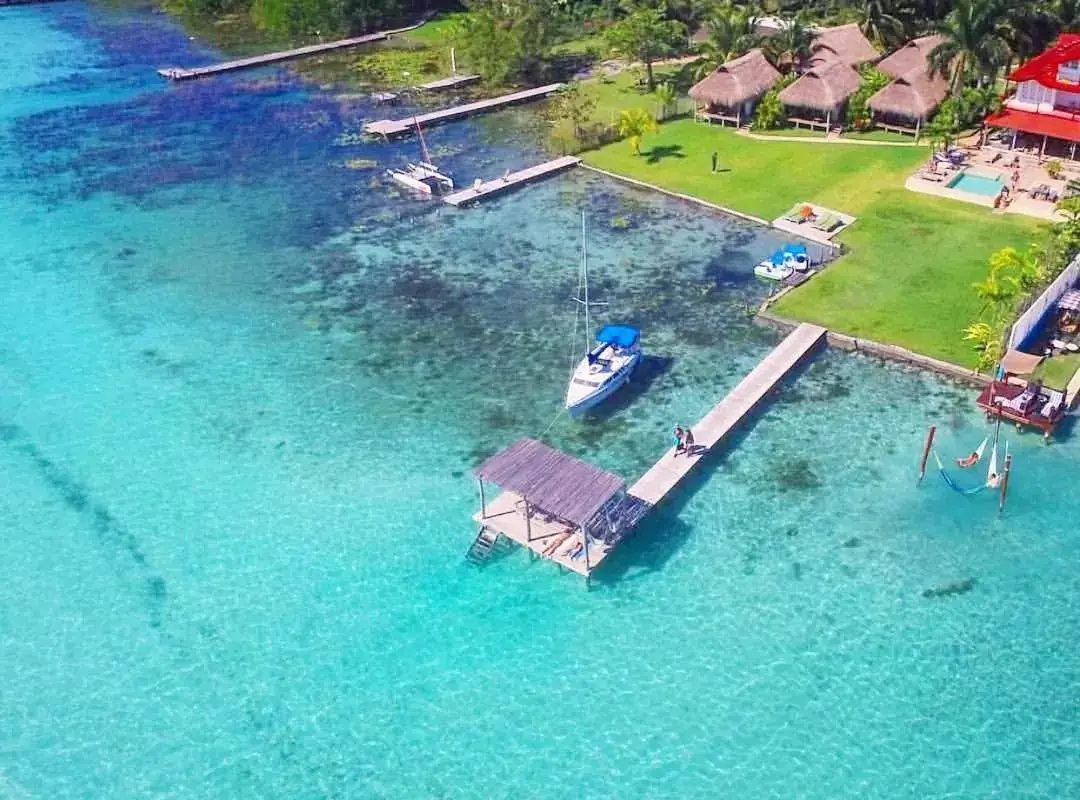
x=634 y=123
x=996 y=291
x=790 y=45
x=986 y=339
x=665 y=99
x=880 y=21
x=973 y=46
x=1066 y=15
x=731 y=34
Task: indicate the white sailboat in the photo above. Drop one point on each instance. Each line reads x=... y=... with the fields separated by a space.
x=609 y=362
x=424 y=177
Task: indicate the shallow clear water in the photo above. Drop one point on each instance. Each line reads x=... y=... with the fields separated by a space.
x=977 y=184
x=243 y=386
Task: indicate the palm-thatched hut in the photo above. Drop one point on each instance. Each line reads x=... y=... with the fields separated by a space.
x=843 y=43
x=731 y=91
x=915 y=55
x=818 y=97
x=907 y=102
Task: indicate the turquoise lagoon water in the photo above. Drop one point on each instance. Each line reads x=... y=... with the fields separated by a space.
x=243 y=386
x=977 y=184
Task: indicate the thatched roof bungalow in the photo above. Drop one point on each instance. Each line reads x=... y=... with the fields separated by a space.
x=915 y=55
x=843 y=43
x=909 y=100
x=733 y=89
x=823 y=91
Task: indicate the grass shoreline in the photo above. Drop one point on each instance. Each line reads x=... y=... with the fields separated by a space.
x=906 y=278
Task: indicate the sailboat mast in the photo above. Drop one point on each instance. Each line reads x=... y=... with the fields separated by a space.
x=585 y=277
x=423 y=144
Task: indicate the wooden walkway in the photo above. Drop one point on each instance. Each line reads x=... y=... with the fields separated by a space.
x=394 y=127
x=448 y=83
x=512 y=179
x=185 y=74
x=665 y=475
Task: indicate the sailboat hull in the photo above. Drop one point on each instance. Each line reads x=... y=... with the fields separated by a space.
x=579 y=399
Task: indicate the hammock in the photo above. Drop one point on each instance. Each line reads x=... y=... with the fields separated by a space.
x=974 y=458
x=953 y=484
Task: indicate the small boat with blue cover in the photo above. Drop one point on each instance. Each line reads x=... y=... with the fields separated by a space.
x=605 y=368
x=788 y=259
x=609 y=362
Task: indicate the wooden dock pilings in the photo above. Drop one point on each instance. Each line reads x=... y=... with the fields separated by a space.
x=185 y=74
x=396 y=127
x=510 y=180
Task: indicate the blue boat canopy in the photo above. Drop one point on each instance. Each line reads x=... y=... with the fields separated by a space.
x=778 y=258
x=795 y=249
x=618 y=335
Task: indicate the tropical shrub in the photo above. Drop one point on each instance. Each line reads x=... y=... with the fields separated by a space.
x=769 y=113
x=1054 y=168
x=633 y=124
x=858 y=112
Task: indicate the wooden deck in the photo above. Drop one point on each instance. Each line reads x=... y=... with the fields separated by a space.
x=509 y=181
x=185 y=74
x=396 y=127
x=448 y=83
x=665 y=475
x=553 y=540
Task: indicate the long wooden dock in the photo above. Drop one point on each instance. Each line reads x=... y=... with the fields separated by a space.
x=448 y=83
x=485 y=189
x=395 y=127
x=564 y=493
x=185 y=74
x=654 y=485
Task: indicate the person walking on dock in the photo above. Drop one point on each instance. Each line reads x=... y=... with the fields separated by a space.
x=678 y=439
x=688 y=440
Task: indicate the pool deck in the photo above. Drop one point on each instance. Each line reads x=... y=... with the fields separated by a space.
x=1022 y=203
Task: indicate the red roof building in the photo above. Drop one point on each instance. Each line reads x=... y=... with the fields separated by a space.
x=1047 y=98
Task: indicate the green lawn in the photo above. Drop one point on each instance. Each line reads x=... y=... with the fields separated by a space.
x=907 y=279
x=434 y=32
x=1057 y=371
x=802 y=133
x=881 y=136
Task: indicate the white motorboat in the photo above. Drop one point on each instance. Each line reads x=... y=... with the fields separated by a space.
x=609 y=363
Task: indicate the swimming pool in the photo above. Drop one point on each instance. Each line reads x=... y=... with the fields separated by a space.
x=975 y=183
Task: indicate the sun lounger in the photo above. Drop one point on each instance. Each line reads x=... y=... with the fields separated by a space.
x=1053 y=407
x=825 y=222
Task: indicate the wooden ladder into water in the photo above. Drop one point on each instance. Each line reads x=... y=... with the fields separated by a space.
x=482 y=547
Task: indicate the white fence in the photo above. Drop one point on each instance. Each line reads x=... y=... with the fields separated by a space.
x=1031 y=318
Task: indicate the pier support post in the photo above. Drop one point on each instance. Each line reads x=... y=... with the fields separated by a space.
x=926 y=451
x=483 y=504
x=585 y=543
x=528 y=521
x=1005 y=484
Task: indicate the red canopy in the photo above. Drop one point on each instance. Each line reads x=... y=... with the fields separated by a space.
x=1059 y=127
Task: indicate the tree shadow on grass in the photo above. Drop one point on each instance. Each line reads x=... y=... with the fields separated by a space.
x=661 y=151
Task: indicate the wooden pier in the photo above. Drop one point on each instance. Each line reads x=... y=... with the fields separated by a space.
x=448 y=83
x=485 y=189
x=569 y=512
x=396 y=127
x=185 y=74
x=665 y=474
